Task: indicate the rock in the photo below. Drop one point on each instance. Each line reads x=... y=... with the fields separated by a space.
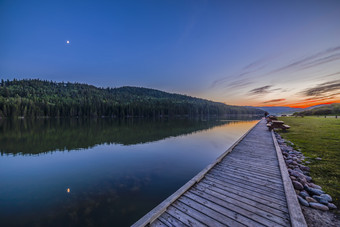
x=297 y=185
x=307 y=162
x=313 y=191
x=289 y=161
x=315 y=186
x=304 y=168
x=309 y=179
x=310 y=200
x=331 y=206
x=326 y=197
x=319 y=206
x=303 y=202
x=304 y=194
x=320 y=199
x=292 y=177
x=305 y=173
x=318 y=158
x=295 y=163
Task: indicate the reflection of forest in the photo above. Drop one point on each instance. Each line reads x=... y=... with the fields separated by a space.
x=45 y=135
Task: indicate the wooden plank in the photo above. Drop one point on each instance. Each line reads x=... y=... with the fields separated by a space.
x=181 y=204
x=158 y=223
x=250 y=162
x=280 y=211
x=247 y=177
x=296 y=217
x=183 y=217
x=234 y=200
x=271 y=193
x=158 y=210
x=235 y=181
x=170 y=220
x=275 y=171
x=249 y=172
x=249 y=217
x=244 y=192
x=250 y=180
x=212 y=213
x=275 y=174
x=222 y=209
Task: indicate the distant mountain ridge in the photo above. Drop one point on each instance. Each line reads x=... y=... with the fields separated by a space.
x=329 y=109
x=37 y=98
x=277 y=110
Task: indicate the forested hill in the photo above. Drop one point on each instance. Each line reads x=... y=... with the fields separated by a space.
x=330 y=109
x=33 y=98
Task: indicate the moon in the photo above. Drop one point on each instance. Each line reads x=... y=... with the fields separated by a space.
x=68 y=41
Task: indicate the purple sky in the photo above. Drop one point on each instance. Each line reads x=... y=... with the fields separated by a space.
x=237 y=52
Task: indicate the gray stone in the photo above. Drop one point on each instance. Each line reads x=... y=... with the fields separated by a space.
x=331 y=206
x=304 y=194
x=304 y=168
x=313 y=191
x=297 y=185
x=309 y=179
x=289 y=161
x=326 y=197
x=320 y=199
x=319 y=206
x=318 y=158
x=310 y=200
x=303 y=202
x=315 y=186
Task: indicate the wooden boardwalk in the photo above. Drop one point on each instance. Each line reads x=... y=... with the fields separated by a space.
x=246 y=186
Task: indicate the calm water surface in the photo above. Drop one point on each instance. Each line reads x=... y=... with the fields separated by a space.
x=101 y=172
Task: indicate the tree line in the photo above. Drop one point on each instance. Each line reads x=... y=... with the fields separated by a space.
x=330 y=109
x=40 y=98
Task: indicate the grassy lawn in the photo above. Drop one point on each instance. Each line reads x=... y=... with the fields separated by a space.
x=318 y=137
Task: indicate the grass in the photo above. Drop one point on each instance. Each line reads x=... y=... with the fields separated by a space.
x=318 y=137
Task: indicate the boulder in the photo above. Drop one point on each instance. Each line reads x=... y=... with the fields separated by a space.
x=331 y=206
x=297 y=185
x=319 y=206
x=320 y=199
x=302 y=201
x=313 y=191
x=310 y=200
x=304 y=194
x=315 y=186
x=326 y=197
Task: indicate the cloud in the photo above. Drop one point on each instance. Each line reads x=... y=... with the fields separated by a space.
x=274 y=100
x=322 y=57
x=323 y=89
x=227 y=79
x=261 y=90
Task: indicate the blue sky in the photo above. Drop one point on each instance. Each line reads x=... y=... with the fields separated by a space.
x=237 y=52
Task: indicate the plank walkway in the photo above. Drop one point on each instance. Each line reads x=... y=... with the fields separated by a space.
x=246 y=186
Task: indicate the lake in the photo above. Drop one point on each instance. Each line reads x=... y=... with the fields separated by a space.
x=102 y=172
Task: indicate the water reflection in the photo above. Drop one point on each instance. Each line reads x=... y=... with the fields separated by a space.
x=118 y=176
x=46 y=135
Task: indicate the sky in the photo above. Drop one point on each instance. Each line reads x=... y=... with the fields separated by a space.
x=259 y=53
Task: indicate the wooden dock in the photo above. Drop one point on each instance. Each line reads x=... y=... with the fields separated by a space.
x=248 y=185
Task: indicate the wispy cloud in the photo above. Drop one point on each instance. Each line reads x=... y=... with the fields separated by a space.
x=260 y=90
x=323 y=89
x=274 y=100
x=322 y=57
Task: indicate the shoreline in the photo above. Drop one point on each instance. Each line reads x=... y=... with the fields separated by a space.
x=316 y=205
